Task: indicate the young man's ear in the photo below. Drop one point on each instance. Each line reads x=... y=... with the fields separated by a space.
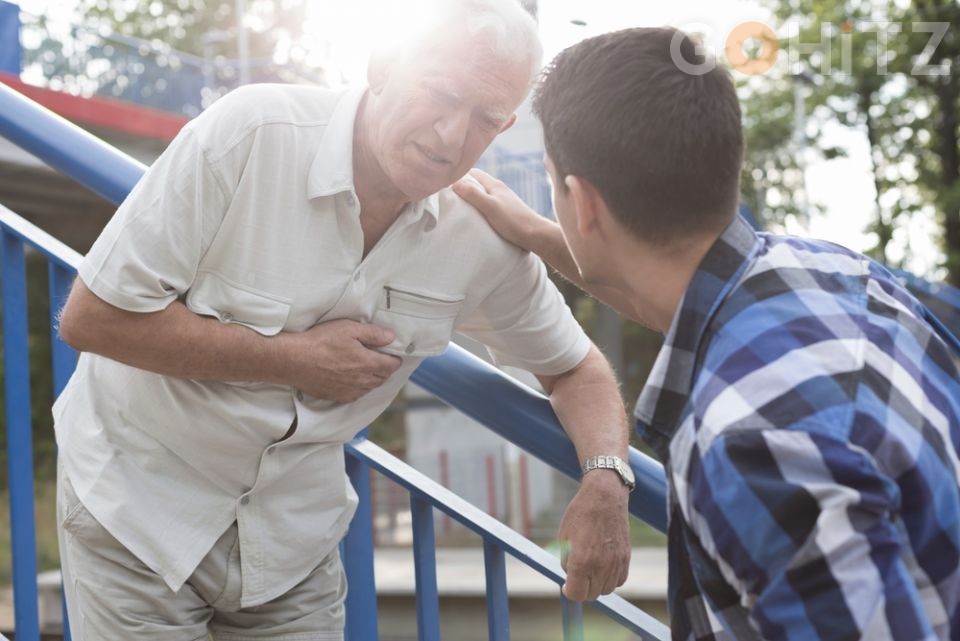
x=509 y=123
x=589 y=207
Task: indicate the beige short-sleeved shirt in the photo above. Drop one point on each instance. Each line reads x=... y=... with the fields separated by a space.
x=250 y=216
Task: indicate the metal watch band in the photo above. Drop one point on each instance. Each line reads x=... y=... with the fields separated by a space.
x=607 y=462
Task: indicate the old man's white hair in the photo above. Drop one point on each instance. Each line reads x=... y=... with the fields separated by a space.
x=502 y=26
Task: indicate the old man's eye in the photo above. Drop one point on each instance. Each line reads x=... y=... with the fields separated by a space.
x=489 y=123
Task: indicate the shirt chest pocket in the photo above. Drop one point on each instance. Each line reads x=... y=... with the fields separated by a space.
x=422 y=322
x=213 y=295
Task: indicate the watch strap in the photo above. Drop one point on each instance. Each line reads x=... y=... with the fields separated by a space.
x=608 y=462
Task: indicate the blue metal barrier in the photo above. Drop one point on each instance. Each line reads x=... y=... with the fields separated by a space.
x=16 y=234
x=497 y=538
x=464 y=381
x=10 y=53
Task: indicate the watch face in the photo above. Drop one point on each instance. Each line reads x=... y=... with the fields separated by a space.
x=627 y=472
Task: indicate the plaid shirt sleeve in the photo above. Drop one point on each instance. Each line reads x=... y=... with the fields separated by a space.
x=805 y=528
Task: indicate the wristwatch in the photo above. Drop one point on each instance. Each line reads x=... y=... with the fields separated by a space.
x=614 y=463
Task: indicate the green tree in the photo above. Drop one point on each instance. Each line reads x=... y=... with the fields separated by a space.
x=183 y=24
x=161 y=51
x=877 y=72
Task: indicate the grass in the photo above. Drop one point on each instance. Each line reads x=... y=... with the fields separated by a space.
x=643 y=535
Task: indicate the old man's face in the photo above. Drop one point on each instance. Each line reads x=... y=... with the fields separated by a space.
x=436 y=113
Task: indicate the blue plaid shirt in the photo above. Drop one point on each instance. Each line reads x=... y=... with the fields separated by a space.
x=809 y=421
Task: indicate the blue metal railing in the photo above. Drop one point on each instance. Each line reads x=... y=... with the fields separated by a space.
x=521 y=415
x=62 y=262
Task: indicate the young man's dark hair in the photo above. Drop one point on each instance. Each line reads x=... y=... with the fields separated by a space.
x=670 y=163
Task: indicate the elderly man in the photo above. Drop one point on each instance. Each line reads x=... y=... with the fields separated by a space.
x=262 y=294
x=806 y=411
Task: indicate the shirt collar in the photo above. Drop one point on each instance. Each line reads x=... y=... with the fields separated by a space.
x=668 y=387
x=332 y=169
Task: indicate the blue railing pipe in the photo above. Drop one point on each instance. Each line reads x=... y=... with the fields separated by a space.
x=496 y=534
x=66 y=147
x=524 y=417
x=16 y=367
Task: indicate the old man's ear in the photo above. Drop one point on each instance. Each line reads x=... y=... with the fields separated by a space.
x=509 y=123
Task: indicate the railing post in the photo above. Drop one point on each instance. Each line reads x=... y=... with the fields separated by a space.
x=498 y=605
x=16 y=362
x=572 y=613
x=425 y=570
x=361 y=604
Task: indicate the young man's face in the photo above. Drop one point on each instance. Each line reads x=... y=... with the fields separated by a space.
x=436 y=115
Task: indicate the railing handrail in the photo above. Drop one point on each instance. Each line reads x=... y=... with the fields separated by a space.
x=66 y=147
x=490 y=528
x=40 y=240
x=523 y=416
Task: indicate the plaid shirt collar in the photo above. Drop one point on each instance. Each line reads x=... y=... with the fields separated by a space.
x=658 y=410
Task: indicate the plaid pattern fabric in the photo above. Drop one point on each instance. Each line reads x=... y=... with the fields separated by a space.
x=809 y=421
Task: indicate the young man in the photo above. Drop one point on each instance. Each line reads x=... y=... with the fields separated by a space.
x=807 y=415
x=262 y=295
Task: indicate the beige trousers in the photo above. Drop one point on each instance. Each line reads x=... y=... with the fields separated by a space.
x=112 y=596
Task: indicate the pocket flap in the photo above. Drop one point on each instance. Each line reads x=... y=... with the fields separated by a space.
x=410 y=302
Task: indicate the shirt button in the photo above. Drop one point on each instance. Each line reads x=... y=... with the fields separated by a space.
x=358 y=275
x=245 y=500
x=410 y=348
x=271 y=451
x=226 y=317
x=299 y=396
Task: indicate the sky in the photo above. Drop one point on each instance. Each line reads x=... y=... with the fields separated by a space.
x=843 y=186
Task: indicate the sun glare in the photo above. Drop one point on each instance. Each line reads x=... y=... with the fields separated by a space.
x=349 y=31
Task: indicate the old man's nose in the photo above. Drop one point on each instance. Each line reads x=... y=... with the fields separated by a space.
x=452 y=128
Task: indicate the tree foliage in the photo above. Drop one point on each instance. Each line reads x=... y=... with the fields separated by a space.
x=176 y=55
x=187 y=25
x=881 y=69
